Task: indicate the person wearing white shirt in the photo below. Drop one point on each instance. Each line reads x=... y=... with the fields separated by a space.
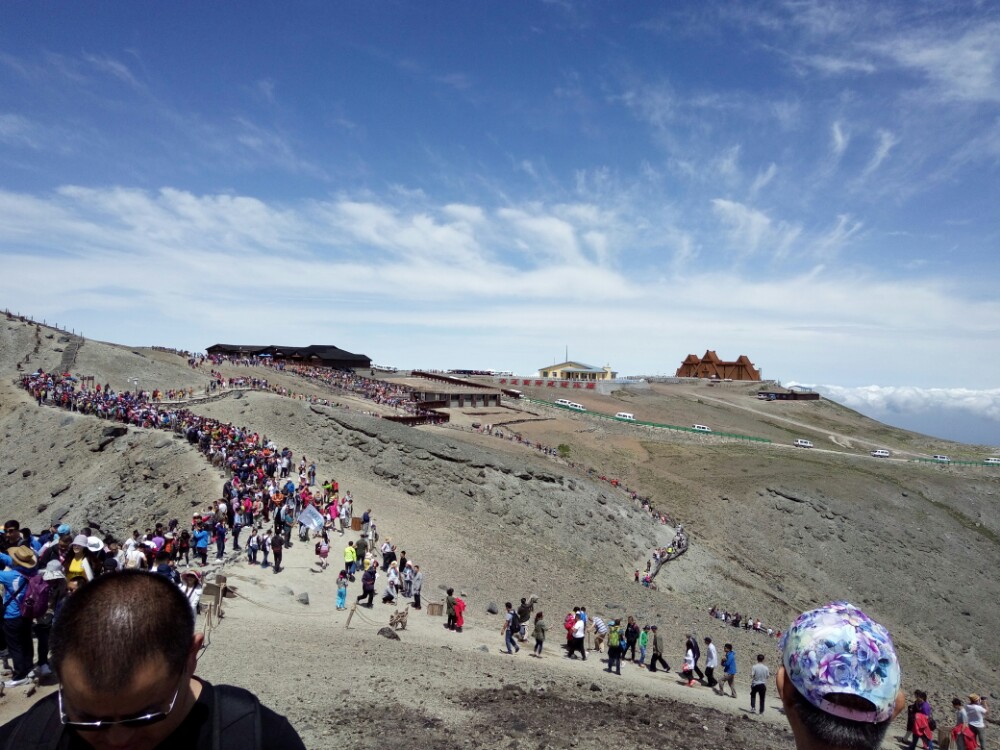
x=711 y=662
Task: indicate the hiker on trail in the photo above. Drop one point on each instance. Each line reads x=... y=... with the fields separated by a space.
x=577 y=637
x=278 y=548
x=728 y=670
x=21 y=567
x=323 y=551
x=199 y=540
x=692 y=643
x=600 y=630
x=759 y=676
x=657 y=651
x=851 y=703
x=962 y=734
x=976 y=709
x=510 y=626
x=524 y=610
x=631 y=637
x=687 y=668
x=615 y=647
x=350 y=559
x=416 y=585
x=643 y=644
x=146 y=623
x=368 y=586
x=449 y=604
x=342 y=591
x=538 y=632
x=711 y=662
x=460 y=612
x=391 y=583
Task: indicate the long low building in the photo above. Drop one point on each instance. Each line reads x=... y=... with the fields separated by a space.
x=321 y=355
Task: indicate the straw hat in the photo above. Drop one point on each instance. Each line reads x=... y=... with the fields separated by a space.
x=23 y=557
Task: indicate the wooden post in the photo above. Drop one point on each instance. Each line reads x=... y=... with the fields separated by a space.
x=350 y=615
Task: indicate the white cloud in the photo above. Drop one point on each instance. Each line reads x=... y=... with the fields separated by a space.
x=839 y=139
x=914 y=400
x=958 y=65
x=763 y=178
x=17 y=130
x=114 y=68
x=438 y=283
x=751 y=231
x=886 y=142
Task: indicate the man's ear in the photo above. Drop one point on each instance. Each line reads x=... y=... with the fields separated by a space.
x=900 y=704
x=785 y=688
x=192 y=658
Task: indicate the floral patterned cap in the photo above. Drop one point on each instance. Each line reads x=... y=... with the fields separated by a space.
x=838 y=649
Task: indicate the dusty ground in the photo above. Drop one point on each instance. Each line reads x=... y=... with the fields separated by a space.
x=774 y=530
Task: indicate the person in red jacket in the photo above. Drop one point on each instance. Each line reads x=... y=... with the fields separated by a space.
x=459 y=612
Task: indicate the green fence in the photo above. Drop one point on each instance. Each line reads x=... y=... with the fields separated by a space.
x=657 y=425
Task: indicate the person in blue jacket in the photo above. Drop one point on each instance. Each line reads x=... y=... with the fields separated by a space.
x=729 y=670
x=20 y=565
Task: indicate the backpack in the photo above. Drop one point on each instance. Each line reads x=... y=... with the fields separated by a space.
x=236 y=724
x=614 y=638
x=32 y=597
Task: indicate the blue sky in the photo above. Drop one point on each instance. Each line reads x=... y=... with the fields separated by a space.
x=813 y=184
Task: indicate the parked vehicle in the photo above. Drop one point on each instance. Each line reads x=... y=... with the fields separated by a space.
x=992 y=460
x=701 y=427
x=627 y=416
x=802 y=443
x=942 y=459
x=881 y=453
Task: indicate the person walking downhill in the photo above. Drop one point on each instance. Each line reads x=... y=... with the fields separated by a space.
x=711 y=662
x=696 y=651
x=687 y=672
x=342 y=590
x=368 y=586
x=728 y=670
x=449 y=604
x=278 y=548
x=539 y=634
x=643 y=644
x=323 y=551
x=614 y=647
x=657 y=652
x=759 y=676
x=977 y=710
x=511 y=625
x=415 y=585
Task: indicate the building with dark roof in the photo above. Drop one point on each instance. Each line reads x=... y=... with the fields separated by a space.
x=321 y=355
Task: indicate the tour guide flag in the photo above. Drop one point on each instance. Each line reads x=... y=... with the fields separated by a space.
x=311 y=518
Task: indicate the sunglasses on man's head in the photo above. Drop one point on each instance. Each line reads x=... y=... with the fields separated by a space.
x=135 y=722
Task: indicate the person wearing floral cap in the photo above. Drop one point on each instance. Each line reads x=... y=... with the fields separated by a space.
x=839 y=679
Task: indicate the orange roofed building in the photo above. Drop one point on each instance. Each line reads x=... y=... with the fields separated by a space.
x=713 y=368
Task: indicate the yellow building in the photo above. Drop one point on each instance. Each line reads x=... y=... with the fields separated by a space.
x=577 y=371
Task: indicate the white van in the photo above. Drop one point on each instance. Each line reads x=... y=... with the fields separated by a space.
x=701 y=428
x=800 y=443
x=563 y=401
x=881 y=453
x=626 y=416
x=942 y=459
x=578 y=407
x=992 y=460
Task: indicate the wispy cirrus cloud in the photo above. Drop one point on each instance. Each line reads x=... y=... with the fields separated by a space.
x=751 y=231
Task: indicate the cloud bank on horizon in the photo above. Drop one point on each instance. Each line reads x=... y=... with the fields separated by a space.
x=810 y=183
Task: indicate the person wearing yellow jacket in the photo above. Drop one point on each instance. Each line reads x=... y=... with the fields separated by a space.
x=350 y=559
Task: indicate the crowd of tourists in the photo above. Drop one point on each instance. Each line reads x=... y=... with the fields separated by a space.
x=265 y=496
x=847 y=703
